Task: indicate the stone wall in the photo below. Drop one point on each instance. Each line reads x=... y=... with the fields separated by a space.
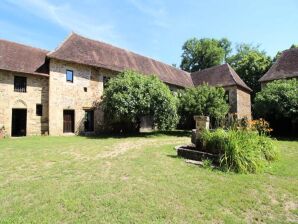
x=239 y=101
x=232 y=98
x=37 y=93
x=243 y=104
x=72 y=96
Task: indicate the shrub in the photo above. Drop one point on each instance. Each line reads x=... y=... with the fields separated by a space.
x=278 y=103
x=131 y=95
x=201 y=100
x=241 y=151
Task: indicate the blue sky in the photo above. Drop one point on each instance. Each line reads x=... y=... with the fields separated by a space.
x=154 y=28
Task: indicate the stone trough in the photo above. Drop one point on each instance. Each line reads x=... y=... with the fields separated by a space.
x=196 y=151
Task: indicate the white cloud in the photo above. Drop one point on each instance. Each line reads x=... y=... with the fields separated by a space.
x=154 y=9
x=68 y=18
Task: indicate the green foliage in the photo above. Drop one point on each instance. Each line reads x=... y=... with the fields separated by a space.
x=203 y=53
x=201 y=100
x=241 y=151
x=251 y=64
x=279 y=99
x=130 y=95
x=225 y=44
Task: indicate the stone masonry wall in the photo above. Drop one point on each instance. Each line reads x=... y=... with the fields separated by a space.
x=239 y=102
x=232 y=98
x=71 y=96
x=37 y=93
x=243 y=104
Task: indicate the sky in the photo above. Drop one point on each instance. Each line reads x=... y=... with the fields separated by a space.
x=153 y=28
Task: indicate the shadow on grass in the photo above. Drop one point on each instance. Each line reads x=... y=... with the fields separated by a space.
x=289 y=139
x=175 y=156
x=177 y=133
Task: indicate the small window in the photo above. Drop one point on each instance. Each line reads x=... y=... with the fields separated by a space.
x=38 y=109
x=85 y=89
x=69 y=75
x=227 y=95
x=20 y=84
x=105 y=81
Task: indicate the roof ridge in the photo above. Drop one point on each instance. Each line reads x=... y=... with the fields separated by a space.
x=233 y=73
x=206 y=69
x=24 y=45
x=61 y=44
x=129 y=51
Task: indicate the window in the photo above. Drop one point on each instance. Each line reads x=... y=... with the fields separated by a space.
x=105 y=81
x=227 y=94
x=89 y=120
x=85 y=89
x=20 y=84
x=38 y=109
x=69 y=75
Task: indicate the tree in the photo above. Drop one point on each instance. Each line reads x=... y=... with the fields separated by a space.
x=225 y=44
x=130 y=96
x=251 y=64
x=204 y=53
x=201 y=100
x=278 y=101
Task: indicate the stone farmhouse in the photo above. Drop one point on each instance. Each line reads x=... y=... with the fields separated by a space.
x=286 y=67
x=59 y=92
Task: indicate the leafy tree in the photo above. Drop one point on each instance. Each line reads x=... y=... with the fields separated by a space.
x=251 y=64
x=225 y=44
x=201 y=100
x=130 y=96
x=278 y=101
x=204 y=53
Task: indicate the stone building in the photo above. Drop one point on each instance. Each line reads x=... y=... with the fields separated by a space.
x=24 y=89
x=237 y=91
x=286 y=67
x=59 y=92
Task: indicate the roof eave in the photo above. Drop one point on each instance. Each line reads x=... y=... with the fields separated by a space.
x=24 y=72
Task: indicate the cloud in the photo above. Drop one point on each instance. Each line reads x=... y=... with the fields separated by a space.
x=154 y=9
x=68 y=18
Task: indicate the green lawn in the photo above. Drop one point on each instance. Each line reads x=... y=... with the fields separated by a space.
x=136 y=180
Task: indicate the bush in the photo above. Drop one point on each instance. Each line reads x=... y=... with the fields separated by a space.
x=131 y=95
x=241 y=151
x=201 y=100
x=278 y=103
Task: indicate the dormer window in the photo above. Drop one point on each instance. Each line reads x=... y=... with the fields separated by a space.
x=69 y=75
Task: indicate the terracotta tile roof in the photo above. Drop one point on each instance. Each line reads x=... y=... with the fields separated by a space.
x=21 y=58
x=82 y=50
x=221 y=75
x=285 y=67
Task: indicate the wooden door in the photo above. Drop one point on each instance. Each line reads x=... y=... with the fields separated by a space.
x=68 y=121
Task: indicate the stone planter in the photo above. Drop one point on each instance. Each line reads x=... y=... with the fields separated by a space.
x=190 y=152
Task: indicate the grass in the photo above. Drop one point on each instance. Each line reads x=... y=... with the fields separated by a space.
x=137 y=180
